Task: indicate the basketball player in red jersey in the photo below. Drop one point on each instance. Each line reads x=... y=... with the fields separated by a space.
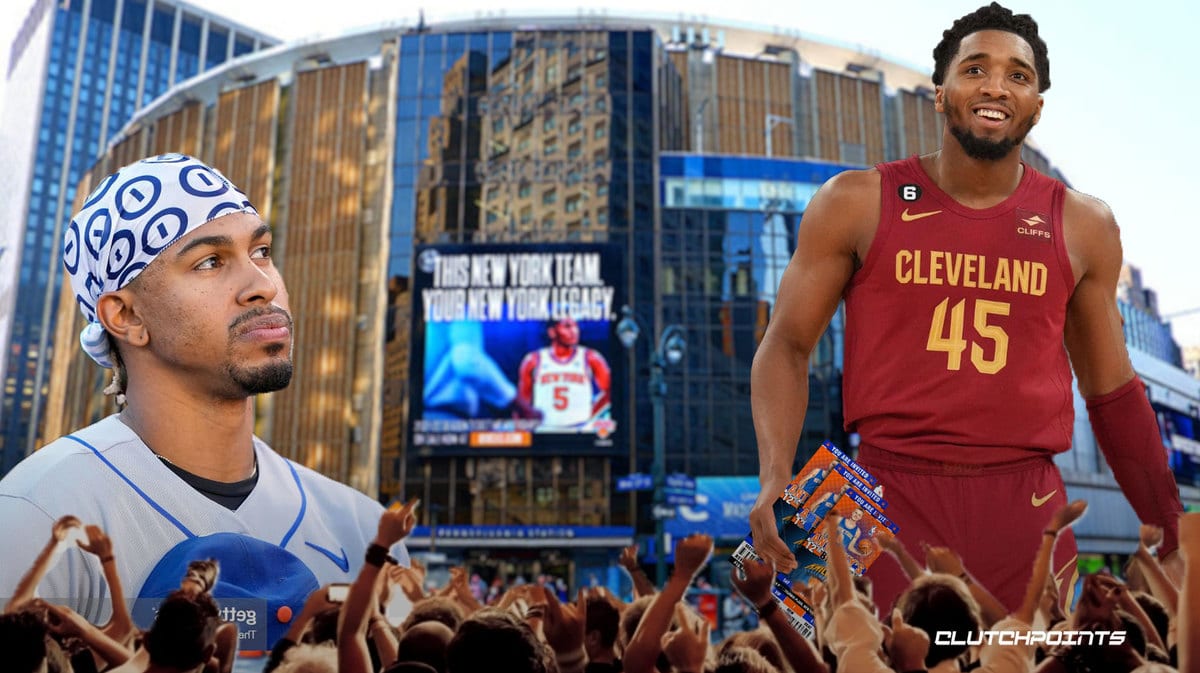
x=965 y=273
x=568 y=383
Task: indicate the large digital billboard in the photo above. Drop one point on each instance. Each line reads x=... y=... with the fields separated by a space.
x=513 y=348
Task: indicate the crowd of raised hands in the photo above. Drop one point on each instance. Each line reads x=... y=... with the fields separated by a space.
x=529 y=629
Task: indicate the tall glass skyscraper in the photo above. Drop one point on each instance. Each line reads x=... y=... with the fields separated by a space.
x=78 y=71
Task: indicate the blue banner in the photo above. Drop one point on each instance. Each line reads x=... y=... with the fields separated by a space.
x=722 y=509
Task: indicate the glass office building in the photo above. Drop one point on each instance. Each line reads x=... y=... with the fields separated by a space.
x=78 y=71
x=685 y=152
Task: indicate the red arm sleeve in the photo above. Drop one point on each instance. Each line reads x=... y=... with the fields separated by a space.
x=1128 y=435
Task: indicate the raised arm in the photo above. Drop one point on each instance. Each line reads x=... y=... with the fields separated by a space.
x=63 y=535
x=353 y=656
x=1150 y=536
x=120 y=627
x=691 y=553
x=946 y=560
x=833 y=236
x=1189 y=602
x=754 y=582
x=892 y=545
x=642 y=586
x=1122 y=420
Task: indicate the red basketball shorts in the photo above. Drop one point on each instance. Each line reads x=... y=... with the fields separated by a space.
x=992 y=516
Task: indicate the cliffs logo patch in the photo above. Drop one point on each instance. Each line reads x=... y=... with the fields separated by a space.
x=1033 y=225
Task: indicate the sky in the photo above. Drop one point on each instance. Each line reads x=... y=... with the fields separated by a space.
x=1120 y=120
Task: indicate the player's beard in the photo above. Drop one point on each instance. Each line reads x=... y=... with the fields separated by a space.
x=985 y=149
x=265 y=379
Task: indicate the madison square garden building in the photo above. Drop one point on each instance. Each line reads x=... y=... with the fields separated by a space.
x=442 y=194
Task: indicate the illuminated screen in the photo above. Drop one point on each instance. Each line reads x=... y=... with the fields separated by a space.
x=513 y=348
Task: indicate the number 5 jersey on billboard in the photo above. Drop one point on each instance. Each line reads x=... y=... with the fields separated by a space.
x=513 y=348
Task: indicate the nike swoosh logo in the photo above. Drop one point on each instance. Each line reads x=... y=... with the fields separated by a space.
x=916 y=216
x=342 y=561
x=1038 y=502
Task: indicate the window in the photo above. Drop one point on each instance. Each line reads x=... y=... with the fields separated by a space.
x=574 y=126
x=549 y=197
x=572 y=204
x=548 y=223
x=550 y=147
x=526 y=215
x=548 y=124
x=600 y=81
x=600 y=132
x=574 y=150
x=524 y=190
x=602 y=217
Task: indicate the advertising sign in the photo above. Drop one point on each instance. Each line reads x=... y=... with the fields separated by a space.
x=513 y=348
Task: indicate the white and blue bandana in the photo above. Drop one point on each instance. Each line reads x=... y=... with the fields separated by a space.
x=130 y=218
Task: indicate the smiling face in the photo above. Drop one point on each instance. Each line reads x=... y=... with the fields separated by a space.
x=990 y=94
x=214 y=309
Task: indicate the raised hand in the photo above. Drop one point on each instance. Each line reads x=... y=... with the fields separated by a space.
x=629 y=558
x=753 y=580
x=407 y=580
x=907 y=645
x=62 y=620
x=65 y=527
x=1066 y=516
x=943 y=560
x=687 y=647
x=1150 y=535
x=97 y=543
x=691 y=553
x=563 y=625
x=396 y=524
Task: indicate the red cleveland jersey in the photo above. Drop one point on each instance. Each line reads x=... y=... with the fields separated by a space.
x=954 y=324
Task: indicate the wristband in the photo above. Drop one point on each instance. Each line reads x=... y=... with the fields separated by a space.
x=105 y=559
x=965 y=577
x=767 y=608
x=1051 y=533
x=377 y=555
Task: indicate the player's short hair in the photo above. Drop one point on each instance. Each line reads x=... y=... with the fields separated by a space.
x=425 y=643
x=1156 y=611
x=940 y=602
x=992 y=17
x=493 y=639
x=436 y=608
x=23 y=640
x=760 y=640
x=631 y=617
x=743 y=660
x=184 y=629
x=305 y=658
x=603 y=617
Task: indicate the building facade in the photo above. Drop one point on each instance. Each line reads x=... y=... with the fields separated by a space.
x=687 y=151
x=85 y=68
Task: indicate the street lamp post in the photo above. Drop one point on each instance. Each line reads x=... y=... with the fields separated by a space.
x=671 y=348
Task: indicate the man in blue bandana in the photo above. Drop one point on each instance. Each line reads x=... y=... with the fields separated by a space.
x=171 y=265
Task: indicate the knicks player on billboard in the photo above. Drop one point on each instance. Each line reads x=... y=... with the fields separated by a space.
x=973 y=286
x=568 y=383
